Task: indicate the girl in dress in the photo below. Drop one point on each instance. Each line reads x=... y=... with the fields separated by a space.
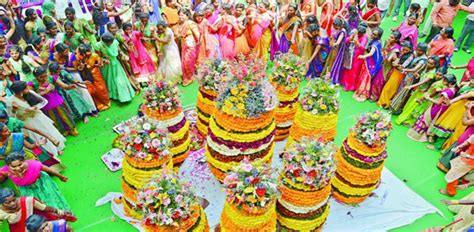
x=55 y=108
x=321 y=49
x=81 y=25
x=333 y=68
x=188 y=33
x=371 y=77
x=227 y=24
x=148 y=31
x=32 y=24
x=209 y=44
x=72 y=38
x=89 y=64
x=352 y=65
x=170 y=64
x=38 y=51
x=33 y=179
x=442 y=46
x=21 y=107
x=21 y=66
x=117 y=82
x=142 y=64
x=419 y=131
x=395 y=75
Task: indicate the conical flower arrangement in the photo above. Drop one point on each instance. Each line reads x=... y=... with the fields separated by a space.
x=146 y=147
x=288 y=70
x=161 y=102
x=361 y=158
x=317 y=112
x=250 y=199
x=167 y=204
x=305 y=185
x=243 y=124
x=211 y=76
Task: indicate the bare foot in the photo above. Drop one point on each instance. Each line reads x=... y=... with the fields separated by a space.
x=60 y=152
x=86 y=119
x=465 y=186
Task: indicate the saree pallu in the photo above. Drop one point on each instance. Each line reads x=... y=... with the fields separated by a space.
x=286 y=32
x=227 y=42
x=274 y=45
x=263 y=44
x=449 y=123
x=98 y=90
x=336 y=58
x=306 y=48
x=352 y=69
x=399 y=100
x=444 y=162
x=317 y=64
x=189 y=52
x=390 y=88
x=62 y=118
x=241 y=46
x=371 y=79
x=362 y=93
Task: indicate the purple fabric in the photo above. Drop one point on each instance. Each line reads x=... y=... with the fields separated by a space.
x=336 y=70
x=177 y=127
x=54 y=99
x=467 y=133
x=365 y=159
x=274 y=46
x=241 y=146
x=284 y=45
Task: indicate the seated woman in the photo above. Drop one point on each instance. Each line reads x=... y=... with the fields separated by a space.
x=37 y=223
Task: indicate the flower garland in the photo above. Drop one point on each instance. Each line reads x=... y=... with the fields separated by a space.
x=250 y=198
x=373 y=128
x=168 y=204
x=161 y=97
x=308 y=168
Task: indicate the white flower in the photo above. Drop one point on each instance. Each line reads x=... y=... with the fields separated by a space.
x=146 y=126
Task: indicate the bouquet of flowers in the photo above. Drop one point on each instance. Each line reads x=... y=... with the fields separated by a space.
x=212 y=73
x=145 y=139
x=166 y=201
x=162 y=97
x=373 y=128
x=320 y=97
x=250 y=187
x=288 y=70
x=247 y=94
x=309 y=163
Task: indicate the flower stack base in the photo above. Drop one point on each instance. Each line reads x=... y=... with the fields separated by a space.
x=205 y=106
x=235 y=219
x=230 y=139
x=302 y=209
x=359 y=169
x=135 y=175
x=307 y=124
x=196 y=223
x=285 y=112
x=178 y=128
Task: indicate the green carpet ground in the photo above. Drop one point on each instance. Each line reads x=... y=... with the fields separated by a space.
x=89 y=179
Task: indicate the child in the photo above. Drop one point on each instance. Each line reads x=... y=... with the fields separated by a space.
x=55 y=108
x=71 y=37
x=37 y=223
x=21 y=66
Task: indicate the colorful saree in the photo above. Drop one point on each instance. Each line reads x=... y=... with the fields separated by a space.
x=409 y=33
x=469 y=70
x=439 y=46
x=189 y=51
x=286 y=32
x=394 y=79
x=371 y=75
x=336 y=57
x=351 y=71
x=316 y=65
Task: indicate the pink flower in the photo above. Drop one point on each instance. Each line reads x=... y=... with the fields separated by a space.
x=166 y=201
x=155 y=143
x=247 y=167
x=179 y=198
x=137 y=140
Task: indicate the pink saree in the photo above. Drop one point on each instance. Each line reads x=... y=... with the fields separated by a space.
x=227 y=41
x=409 y=33
x=142 y=64
x=261 y=36
x=32 y=173
x=350 y=77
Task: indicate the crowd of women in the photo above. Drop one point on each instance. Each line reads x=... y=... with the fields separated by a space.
x=56 y=71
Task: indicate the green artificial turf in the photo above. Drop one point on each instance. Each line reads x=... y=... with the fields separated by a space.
x=89 y=179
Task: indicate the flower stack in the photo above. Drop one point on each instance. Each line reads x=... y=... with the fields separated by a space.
x=210 y=75
x=287 y=72
x=243 y=124
x=317 y=112
x=305 y=185
x=161 y=102
x=250 y=199
x=167 y=204
x=146 y=147
x=360 y=159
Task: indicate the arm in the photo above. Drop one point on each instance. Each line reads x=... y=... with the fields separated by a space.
x=293 y=34
x=315 y=53
x=113 y=14
x=418 y=67
x=51 y=172
x=466 y=9
x=426 y=80
x=63 y=85
x=12 y=26
x=461 y=97
x=371 y=53
x=339 y=40
x=50 y=138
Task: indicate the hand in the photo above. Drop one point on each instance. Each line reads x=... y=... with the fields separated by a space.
x=393 y=29
x=407 y=87
x=447 y=202
x=106 y=62
x=361 y=57
x=41 y=142
x=126 y=58
x=55 y=142
x=69 y=87
x=63 y=178
x=307 y=66
x=451 y=66
x=87 y=82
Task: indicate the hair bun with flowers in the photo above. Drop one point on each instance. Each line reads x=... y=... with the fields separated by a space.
x=167 y=204
x=308 y=168
x=250 y=198
x=361 y=158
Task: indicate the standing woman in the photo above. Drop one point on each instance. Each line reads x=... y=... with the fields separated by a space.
x=412 y=74
x=306 y=38
x=260 y=32
x=72 y=38
x=38 y=51
x=288 y=31
x=148 y=30
x=209 y=44
x=469 y=69
x=391 y=51
x=170 y=63
x=442 y=46
x=118 y=84
x=333 y=68
x=32 y=24
x=227 y=33
x=241 y=44
x=396 y=75
x=409 y=30
x=371 y=79
x=320 y=53
x=188 y=33
x=352 y=66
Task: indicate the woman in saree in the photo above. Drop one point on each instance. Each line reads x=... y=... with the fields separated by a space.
x=306 y=38
x=442 y=46
x=409 y=30
x=449 y=154
x=21 y=106
x=420 y=130
x=241 y=44
x=226 y=32
x=188 y=33
x=170 y=64
x=148 y=31
x=33 y=179
x=372 y=17
x=288 y=31
x=32 y=23
x=469 y=69
x=395 y=75
x=209 y=44
x=327 y=16
x=142 y=65
x=412 y=74
x=89 y=64
x=352 y=64
x=38 y=51
x=447 y=129
x=371 y=74
x=412 y=107
x=335 y=61
x=260 y=32
x=391 y=51
x=320 y=41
